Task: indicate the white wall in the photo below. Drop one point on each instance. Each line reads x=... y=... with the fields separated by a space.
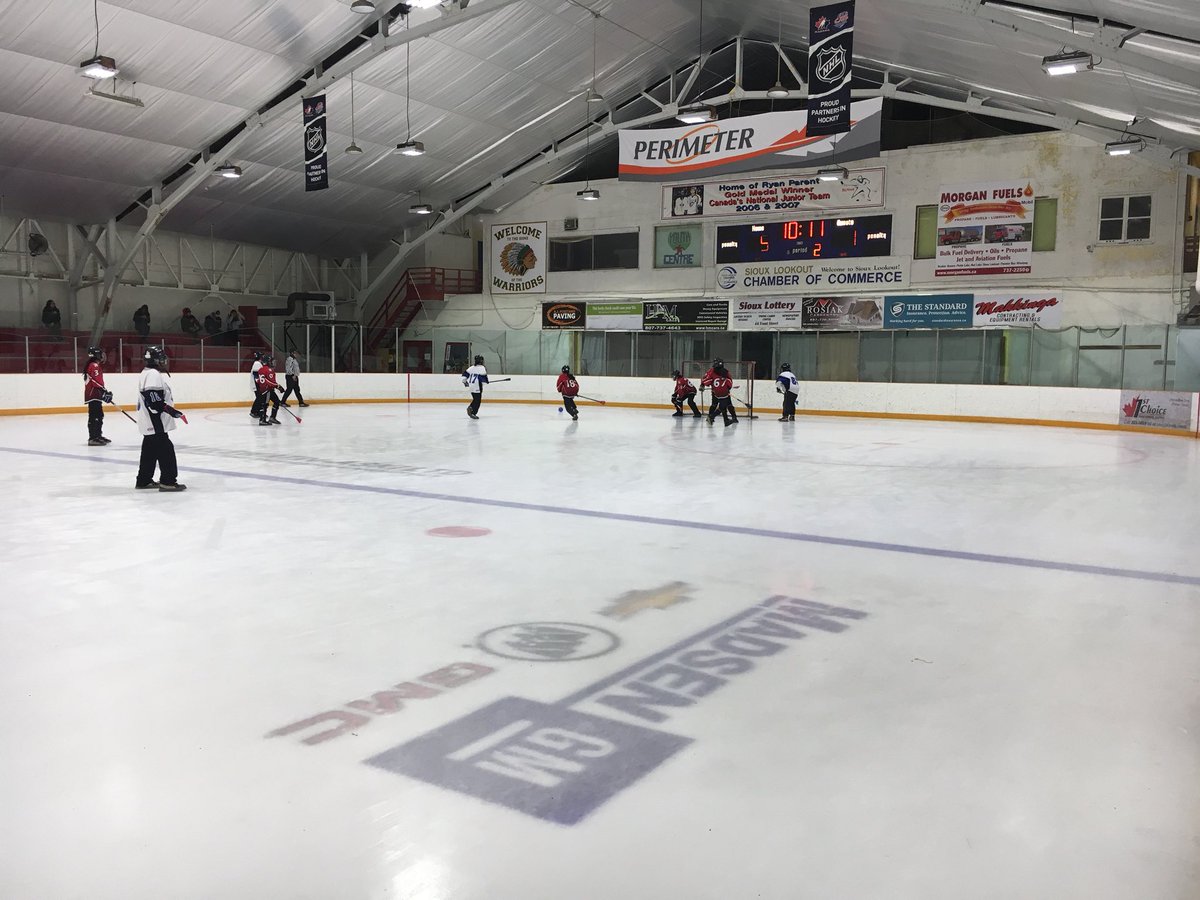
x=1100 y=284
x=1082 y=405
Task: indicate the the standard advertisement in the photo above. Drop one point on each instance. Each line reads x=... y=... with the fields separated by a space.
x=1014 y=309
x=677 y=246
x=745 y=144
x=827 y=276
x=928 y=311
x=614 y=317
x=748 y=315
x=830 y=313
x=861 y=189
x=518 y=258
x=685 y=315
x=985 y=229
x=1159 y=409
x=564 y=315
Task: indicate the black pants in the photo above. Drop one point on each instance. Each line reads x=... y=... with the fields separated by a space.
x=293 y=386
x=689 y=398
x=476 y=399
x=263 y=399
x=789 y=404
x=157 y=449
x=259 y=408
x=569 y=406
x=95 y=419
x=724 y=406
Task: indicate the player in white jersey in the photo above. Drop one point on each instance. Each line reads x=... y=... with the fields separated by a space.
x=156 y=419
x=788 y=385
x=473 y=380
x=259 y=408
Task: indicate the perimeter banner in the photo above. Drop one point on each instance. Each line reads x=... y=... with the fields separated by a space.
x=985 y=229
x=776 y=140
x=316 y=156
x=685 y=315
x=830 y=66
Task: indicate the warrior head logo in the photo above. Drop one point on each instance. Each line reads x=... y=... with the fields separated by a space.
x=517 y=259
x=831 y=64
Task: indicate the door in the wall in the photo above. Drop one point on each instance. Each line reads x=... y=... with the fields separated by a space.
x=418 y=356
x=455 y=360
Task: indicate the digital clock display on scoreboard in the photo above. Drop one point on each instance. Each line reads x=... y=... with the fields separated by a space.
x=805 y=239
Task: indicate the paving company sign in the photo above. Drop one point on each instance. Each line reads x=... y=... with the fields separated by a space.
x=1158 y=409
x=518 y=258
x=830 y=276
x=985 y=229
x=564 y=315
x=745 y=144
x=862 y=189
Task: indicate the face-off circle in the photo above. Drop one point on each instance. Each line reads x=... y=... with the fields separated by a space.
x=458 y=531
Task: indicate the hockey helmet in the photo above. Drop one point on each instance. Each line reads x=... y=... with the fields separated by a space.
x=786 y=367
x=95 y=353
x=155 y=358
x=258 y=356
x=479 y=360
x=718 y=362
x=676 y=374
x=268 y=359
x=566 y=370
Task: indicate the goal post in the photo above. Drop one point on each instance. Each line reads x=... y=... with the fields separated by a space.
x=742 y=373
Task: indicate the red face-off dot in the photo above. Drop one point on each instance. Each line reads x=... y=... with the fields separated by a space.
x=459 y=531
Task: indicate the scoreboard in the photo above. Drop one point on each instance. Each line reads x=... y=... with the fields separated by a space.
x=833 y=238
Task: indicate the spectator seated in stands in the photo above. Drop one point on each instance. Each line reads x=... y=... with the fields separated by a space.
x=212 y=322
x=52 y=318
x=233 y=326
x=141 y=320
x=188 y=323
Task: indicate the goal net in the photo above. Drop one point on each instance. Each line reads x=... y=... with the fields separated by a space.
x=742 y=373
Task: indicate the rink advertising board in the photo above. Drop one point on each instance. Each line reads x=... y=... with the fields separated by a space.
x=518 y=258
x=564 y=315
x=678 y=246
x=614 y=317
x=862 y=189
x=745 y=144
x=928 y=311
x=751 y=314
x=685 y=315
x=1015 y=309
x=826 y=276
x=831 y=313
x=1158 y=409
x=985 y=229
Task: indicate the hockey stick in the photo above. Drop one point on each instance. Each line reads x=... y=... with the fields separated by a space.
x=293 y=415
x=593 y=399
x=498 y=380
x=121 y=411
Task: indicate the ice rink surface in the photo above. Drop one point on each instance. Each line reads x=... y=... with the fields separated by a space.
x=395 y=653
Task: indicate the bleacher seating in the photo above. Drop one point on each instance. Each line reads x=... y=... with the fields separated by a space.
x=47 y=353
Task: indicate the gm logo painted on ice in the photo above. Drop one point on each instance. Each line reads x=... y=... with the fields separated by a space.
x=561 y=761
x=548 y=641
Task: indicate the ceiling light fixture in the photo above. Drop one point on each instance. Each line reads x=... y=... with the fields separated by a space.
x=424 y=4
x=589 y=192
x=778 y=92
x=98 y=66
x=696 y=115
x=1068 y=62
x=353 y=148
x=832 y=173
x=129 y=100
x=228 y=171
x=408 y=147
x=1125 y=146
x=362 y=6
x=420 y=209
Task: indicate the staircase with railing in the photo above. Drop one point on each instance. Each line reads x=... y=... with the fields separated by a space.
x=417 y=286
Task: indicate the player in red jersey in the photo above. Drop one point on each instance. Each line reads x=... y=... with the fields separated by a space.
x=684 y=391
x=569 y=388
x=267 y=386
x=722 y=384
x=95 y=395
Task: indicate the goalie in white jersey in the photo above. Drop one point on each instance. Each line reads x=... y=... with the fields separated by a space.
x=156 y=419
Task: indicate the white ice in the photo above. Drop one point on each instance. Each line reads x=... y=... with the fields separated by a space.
x=1014 y=719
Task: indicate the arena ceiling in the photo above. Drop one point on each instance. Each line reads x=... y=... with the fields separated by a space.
x=494 y=84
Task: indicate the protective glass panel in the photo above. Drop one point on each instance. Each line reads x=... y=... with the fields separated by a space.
x=1145 y=357
x=875 y=356
x=618 y=353
x=960 y=357
x=837 y=357
x=653 y=355
x=1053 y=357
x=800 y=350
x=916 y=356
x=1100 y=358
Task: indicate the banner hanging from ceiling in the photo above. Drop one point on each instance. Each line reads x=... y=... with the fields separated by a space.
x=316 y=156
x=778 y=140
x=830 y=67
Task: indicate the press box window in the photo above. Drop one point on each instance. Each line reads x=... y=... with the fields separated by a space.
x=1125 y=219
x=600 y=251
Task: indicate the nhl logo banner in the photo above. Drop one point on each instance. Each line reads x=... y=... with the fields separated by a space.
x=830 y=65
x=316 y=156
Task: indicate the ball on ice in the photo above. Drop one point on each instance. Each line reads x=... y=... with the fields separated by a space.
x=560 y=409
